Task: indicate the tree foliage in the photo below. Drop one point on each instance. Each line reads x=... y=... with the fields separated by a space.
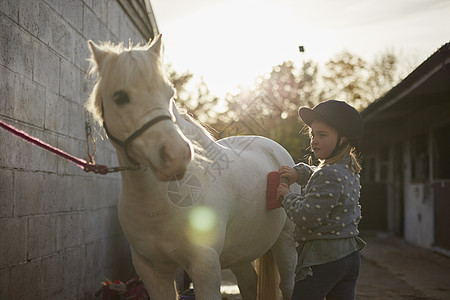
x=270 y=108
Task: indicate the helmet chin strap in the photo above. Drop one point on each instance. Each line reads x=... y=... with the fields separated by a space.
x=339 y=146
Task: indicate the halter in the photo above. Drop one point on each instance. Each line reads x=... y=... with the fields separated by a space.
x=124 y=145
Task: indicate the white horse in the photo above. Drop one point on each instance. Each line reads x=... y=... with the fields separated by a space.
x=203 y=212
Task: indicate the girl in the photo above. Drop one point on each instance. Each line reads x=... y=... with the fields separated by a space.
x=327 y=212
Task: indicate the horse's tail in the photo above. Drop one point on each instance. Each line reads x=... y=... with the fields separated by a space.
x=268 y=277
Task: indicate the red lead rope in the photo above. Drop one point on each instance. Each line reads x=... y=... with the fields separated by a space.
x=98 y=169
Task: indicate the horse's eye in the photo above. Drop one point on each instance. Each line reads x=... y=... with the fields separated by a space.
x=121 y=98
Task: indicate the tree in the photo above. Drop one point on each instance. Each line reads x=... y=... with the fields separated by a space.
x=196 y=99
x=270 y=108
x=350 y=78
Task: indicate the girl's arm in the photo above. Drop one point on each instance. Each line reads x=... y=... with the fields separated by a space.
x=304 y=173
x=300 y=173
x=314 y=206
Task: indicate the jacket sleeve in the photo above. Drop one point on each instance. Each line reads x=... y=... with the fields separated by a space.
x=314 y=206
x=304 y=173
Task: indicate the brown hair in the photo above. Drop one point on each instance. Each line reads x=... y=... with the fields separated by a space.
x=347 y=150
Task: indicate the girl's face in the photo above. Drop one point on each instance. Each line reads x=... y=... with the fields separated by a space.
x=323 y=139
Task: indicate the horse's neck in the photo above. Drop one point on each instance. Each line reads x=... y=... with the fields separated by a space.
x=195 y=133
x=141 y=187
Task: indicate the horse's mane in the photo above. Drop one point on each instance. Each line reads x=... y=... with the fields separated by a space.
x=132 y=61
x=190 y=119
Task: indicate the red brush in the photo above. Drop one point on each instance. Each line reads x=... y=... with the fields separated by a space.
x=273 y=181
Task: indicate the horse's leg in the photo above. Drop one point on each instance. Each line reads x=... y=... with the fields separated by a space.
x=286 y=258
x=247 y=280
x=158 y=282
x=205 y=272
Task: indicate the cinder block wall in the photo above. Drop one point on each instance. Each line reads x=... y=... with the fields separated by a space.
x=59 y=231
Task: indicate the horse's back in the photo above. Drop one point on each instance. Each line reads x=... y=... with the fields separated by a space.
x=264 y=150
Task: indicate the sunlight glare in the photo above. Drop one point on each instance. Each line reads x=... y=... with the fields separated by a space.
x=202 y=225
x=236 y=54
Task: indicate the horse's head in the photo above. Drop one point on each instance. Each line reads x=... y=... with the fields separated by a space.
x=132 y=99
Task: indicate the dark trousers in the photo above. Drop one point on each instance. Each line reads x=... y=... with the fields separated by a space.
x=333 y=281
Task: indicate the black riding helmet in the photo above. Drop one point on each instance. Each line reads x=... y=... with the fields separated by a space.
x=339 y=115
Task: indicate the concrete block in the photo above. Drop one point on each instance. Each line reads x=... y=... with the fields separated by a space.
x=41 y=236
x=44 y=21
x=13 y=238
x=52 y=274
x=129 y=31
x=114 y=225
x=70 y=81
x=92 y=223
x=69 y=231
x=57 y=113
x=29 y=102
x=100 y=8
x=81 y=54
x=28 y=189
x=100 y=224
x=11 y=9
x=7 y=79
x=73 y=265
x=92 y=195
x=91 y=25
x=19 y=154
x=77 y=125
x=34 y=17
x=46 y=67
x=56 y=6
x=25 y=281
x=104 y=193
x=30 y=157
x=72 y=191
x=35 y=193
x=5 y=285
x=95 y=260
x=15 y=53
x=8 y=148
x=6 y=194
x=28 y=14
x=72 y=12
x=74 y=147
x=61 y=39
x=116 y=17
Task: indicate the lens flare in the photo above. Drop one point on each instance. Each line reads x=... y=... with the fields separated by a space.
x=202 y=225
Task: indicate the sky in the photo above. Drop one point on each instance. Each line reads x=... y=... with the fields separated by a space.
x=231 y=42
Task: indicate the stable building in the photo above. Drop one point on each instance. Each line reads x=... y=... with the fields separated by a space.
x=406 y=153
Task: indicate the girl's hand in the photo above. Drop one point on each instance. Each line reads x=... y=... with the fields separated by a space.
x=282 y=190
x=288 y=172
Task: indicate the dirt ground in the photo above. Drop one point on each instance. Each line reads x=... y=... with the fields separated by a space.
x=390 y=269
x=373 y=283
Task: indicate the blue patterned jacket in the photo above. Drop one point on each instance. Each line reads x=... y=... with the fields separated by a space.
x=328 y=207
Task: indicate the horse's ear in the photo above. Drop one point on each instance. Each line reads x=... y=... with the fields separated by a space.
x=97 y=53
x=156 y=45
